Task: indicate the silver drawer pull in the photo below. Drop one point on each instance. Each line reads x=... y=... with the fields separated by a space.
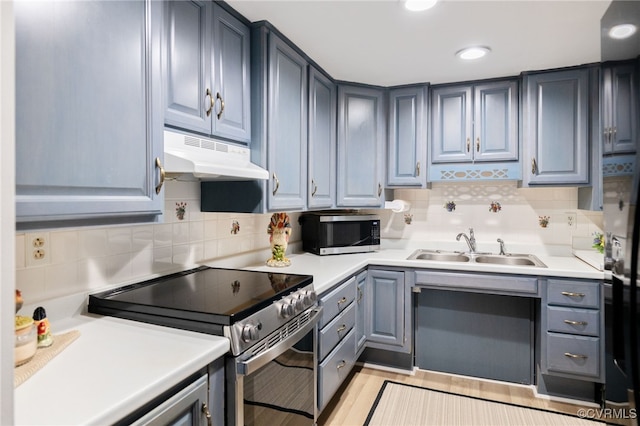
x=341 y=301
x=570 y=322
x=341 y=364
x=570 y=294
x=570 y=355
x=343 y=327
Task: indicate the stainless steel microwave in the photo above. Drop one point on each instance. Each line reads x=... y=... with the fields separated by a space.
x=339 y=232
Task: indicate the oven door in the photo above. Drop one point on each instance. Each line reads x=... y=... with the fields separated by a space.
x=276 y=383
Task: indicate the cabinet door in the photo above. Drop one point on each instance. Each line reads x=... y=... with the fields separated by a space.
x=188 y=82
x=406 y=159
x=287 y=130
x=86 y=147
x=385 y=309
x=361 y=298
x=619 y=109
x=495 y=121
x=556 y=128
x=451 y=109
x=231 y=72
x=361 y=132
x=322 y=141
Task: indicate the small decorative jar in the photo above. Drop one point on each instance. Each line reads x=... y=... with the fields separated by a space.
x=279 y=230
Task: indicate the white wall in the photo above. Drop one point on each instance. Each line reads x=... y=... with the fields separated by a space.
x=7 y=210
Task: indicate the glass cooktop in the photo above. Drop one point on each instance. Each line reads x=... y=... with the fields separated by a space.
x=204 y=294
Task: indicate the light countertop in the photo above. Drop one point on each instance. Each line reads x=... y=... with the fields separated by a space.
x=110 y=370
x=117 y=365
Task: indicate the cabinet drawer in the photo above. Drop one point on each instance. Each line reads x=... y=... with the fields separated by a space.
x=336 y=301
x=573 y=354
x=333 y=332
x=584 y=294
x=334 y=370
x=575 y=321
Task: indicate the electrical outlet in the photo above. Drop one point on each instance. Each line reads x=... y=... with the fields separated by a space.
x=572 y=220
x=37 y=249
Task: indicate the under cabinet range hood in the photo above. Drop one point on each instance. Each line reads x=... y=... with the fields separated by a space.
x=208 y=159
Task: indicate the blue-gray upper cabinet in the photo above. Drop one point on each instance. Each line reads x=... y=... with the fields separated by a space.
x=556 y=127
x=322 y=141
x=287 y=111
x=475 y=122
x=361 y=136
x=407 y=142
x=619 y=108
x=87 y=149
x=208 y=86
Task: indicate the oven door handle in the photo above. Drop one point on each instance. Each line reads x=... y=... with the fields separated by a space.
x=246 y=367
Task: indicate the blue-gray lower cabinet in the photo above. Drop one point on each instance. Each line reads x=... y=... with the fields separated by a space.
x=361 y=136
x=322 y=141
x=388 y=319
x=337 y=352
x=556 y=127
x=89 y=149
x=572 y=330
x=407 y=142
x=361 y=300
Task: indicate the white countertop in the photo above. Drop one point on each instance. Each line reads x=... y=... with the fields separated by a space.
x=110 y=370
x=117 y=365
x=330 y=270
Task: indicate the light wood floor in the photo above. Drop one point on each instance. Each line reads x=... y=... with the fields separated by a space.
x=351 y=404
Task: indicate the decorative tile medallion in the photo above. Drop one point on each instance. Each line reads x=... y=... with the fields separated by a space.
x=543 y=221
x=495 y=207
x=235 y=227
x=181 y=209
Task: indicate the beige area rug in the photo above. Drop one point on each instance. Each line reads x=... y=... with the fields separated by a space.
x=407 y=405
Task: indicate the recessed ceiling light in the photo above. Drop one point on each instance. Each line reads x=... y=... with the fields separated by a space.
x=470 y=53
x=622 y=31
x=419 y=5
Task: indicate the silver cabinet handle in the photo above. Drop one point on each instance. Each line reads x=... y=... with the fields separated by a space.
x=343 y=327
x=478 y=144
x=315 y=188
x=379 y=189
x=571 y=294
x=468 y=144
x=277 y=182
x=570 y=355
x=534 y=166
x=570 y=322
x=341 y=364
x=341 y=301
x=359 y=295
x=211 y=101
x=162 y=175
x=207 y=413
x=218 y=97
x=418 y=168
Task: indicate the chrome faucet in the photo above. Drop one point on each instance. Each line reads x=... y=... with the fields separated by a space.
x=502 y=252
x=471 y=240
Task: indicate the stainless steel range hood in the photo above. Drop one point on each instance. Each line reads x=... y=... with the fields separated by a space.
x=208 y=159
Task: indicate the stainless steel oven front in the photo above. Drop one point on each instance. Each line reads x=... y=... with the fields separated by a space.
x=274 y=382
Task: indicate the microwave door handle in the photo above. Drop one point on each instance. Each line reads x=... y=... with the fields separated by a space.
x=246 y=367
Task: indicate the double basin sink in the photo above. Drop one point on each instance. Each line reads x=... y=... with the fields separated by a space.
x=511 y=259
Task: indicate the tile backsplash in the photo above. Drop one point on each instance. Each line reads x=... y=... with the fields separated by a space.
x=89 y=259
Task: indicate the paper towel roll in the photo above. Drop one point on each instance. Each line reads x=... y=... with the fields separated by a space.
x=397 y=206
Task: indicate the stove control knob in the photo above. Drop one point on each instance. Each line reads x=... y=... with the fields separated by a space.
x=250 y=332
x=310 y=297
x=298 y=302
x=287 y=309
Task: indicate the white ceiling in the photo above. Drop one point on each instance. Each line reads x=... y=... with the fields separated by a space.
x=379 y=42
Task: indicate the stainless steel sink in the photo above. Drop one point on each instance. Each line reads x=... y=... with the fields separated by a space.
x=440 y=256
x=483 y=258
x=512 y=260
